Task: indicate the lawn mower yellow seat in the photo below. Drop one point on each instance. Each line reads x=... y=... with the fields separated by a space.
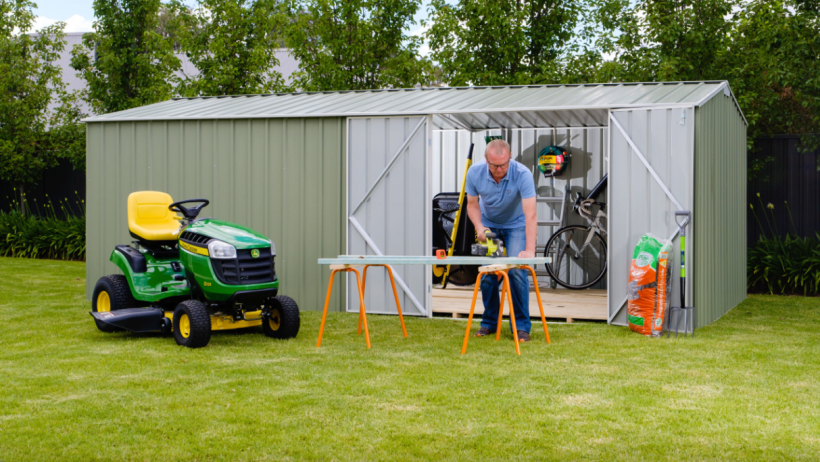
x=149 y=217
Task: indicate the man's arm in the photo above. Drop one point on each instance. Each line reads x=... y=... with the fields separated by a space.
x=474 y=212
x=531 y=215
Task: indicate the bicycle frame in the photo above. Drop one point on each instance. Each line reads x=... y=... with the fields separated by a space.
x=582 y=207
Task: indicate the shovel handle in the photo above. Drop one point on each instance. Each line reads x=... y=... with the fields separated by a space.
x=686 y=216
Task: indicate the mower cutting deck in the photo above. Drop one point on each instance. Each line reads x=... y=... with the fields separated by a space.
x=190 y=276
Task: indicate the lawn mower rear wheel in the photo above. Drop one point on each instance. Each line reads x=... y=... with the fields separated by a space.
x=110 y=294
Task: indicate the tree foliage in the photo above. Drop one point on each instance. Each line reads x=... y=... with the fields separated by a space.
x=233 y=45
x=506 y=42
x=38 y=117
x=125 y=62
x=773 y=66
x=355 y=44
x=673 y=40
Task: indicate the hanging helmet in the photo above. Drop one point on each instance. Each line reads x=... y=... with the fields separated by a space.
x=552 y=161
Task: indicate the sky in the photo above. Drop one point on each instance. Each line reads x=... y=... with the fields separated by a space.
x=79 y=15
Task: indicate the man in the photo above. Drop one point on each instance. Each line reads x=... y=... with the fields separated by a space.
x=501 y=198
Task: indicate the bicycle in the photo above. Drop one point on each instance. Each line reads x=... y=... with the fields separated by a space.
x=579 y=252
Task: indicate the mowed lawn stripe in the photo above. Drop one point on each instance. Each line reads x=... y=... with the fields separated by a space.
x=745 y=387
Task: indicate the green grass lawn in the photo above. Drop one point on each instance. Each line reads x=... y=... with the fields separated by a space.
x=747 y=387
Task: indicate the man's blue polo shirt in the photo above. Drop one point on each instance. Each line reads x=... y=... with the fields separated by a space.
x=501 y=202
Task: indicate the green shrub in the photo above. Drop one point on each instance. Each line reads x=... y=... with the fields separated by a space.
x=32 y=236
x=789 y=265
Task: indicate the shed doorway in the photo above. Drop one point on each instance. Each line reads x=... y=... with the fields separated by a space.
x=397 y=165
x=588 y=150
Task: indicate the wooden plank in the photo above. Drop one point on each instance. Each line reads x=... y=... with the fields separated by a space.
x=558 y=303
x=429 y=260
x=342 y=267
x=494 y=268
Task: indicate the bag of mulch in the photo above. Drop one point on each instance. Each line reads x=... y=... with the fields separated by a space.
x=650 y=288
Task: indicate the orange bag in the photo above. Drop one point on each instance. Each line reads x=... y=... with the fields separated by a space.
x=649 y=290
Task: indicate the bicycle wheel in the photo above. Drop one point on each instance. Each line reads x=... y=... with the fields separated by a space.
x=574 y=265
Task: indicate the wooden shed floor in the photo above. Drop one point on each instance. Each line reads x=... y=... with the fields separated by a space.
x=558 y=303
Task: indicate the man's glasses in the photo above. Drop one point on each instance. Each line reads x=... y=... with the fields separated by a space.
x=499 y=166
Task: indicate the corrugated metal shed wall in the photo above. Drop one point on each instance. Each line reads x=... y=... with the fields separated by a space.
x=282 y=177
x=637 y=204
x=719 y=218
x=587 y=166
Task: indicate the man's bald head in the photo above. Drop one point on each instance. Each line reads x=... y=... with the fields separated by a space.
x=498 y=158
x=497 y=149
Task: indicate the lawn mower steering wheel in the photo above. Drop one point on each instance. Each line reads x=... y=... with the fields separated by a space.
x=189 y=212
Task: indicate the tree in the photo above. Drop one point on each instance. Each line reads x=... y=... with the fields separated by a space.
x=125 y=62
x=768 y=50
x=355 y=44
x=672 y=40
x=39 y=119
x=511 y=42
x=232 y=43
x=773 y=65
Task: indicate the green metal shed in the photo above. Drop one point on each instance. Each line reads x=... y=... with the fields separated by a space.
x=354 y=172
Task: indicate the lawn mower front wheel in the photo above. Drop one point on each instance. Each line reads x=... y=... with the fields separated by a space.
x=192 y=324
x=111 y=293
x=283 y=320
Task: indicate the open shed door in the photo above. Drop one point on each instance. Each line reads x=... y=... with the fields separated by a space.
x=389 y=209
x=651 y=177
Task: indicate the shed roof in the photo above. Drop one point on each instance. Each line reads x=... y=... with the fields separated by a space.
x=582 y=105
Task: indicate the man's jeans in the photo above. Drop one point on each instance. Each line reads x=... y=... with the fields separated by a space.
x=515 y=240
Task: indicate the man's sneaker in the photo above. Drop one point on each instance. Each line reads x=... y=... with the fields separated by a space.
x=523 y=336
x=483 y=332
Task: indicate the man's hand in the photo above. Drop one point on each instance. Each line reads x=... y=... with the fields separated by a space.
x=526 y=254
x=481 y=236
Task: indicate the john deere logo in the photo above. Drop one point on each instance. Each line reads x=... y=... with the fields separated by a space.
x=255 y=253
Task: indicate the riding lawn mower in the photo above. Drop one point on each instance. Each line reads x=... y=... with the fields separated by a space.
x=190 y=276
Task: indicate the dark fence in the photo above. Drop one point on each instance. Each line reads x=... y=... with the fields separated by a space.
x=61 y=185
x=784 y=174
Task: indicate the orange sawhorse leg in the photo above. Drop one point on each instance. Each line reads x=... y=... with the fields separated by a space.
x=472 y=310
x=395 y=294
x=508 y=296
x=540 y=305
x=501 y=308
x=362 y=314
x=512 y=312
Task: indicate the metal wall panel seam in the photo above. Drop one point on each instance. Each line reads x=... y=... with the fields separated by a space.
x=248 y=183
x=607 y=156
x=267 y=170
x=428 y=211
x=303 y=198
x=347 y=206
x=283 y=194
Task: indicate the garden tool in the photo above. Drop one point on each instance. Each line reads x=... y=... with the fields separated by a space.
x=492 y=247
x=458 y=214
x=683 y=311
